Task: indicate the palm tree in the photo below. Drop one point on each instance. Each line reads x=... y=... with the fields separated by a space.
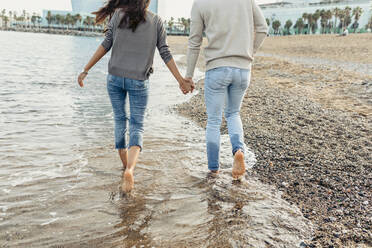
x=309 y=18
x=323 y=20
x=336 y=13
x=276 y=25
x=5 y=20
x=88 y=21
x=171 y=24
x=28 y=18
x=357 y=13
x=328 y=16
x=299 y=25
x=68 y=20
x=49 y=18
x=185 y=23
x=268 y=22
x=39 y=20
x=341 y=16
x=24 y=18
x=10 y=13
x=369 y=25
x=78 y=19
x=288 y=25
x=347 y=20
x=93 y=23
x=315 y=18
x=58 y=19
x=34 y=19
x=15 y=18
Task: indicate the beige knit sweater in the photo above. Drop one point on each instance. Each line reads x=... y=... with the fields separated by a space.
x=235 y=29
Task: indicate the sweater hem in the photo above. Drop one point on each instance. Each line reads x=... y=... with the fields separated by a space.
x=230 y=62
x=125 y=74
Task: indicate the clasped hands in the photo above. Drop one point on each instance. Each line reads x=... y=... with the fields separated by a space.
x=187 y=85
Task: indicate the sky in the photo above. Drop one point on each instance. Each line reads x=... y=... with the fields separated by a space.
x=167 y=8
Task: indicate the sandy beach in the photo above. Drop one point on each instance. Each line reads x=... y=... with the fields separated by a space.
x=307 y=117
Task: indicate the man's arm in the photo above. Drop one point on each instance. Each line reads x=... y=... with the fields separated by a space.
x=260 y=25
x=195 y=40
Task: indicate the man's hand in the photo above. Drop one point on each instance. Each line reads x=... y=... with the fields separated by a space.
x=187 y=86
x=190 y=81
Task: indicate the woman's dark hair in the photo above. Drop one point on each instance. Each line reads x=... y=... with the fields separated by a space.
x=135 y=12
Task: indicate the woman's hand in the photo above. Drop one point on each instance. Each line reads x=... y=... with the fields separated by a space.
x=187 y=85
x=81 y=78
x=101 y=51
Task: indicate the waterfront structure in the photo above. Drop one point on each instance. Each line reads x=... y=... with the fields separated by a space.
x=86 y=7
x=293 y=9
x=154 y=6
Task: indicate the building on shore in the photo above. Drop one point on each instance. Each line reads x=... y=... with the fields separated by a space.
x=85 y=8
x=284 y=10
x=154 y=6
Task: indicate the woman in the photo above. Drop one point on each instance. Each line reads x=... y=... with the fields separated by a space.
x=133 y=33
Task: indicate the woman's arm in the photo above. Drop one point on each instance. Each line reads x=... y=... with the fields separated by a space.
x=101 y=50
x=166 y=55
x=185 y=86
x=97 y=56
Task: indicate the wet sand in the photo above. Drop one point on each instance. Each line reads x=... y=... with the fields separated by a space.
x=309 y=125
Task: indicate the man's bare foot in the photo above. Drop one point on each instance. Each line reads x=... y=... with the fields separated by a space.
x=239 y=166
x=128 y=181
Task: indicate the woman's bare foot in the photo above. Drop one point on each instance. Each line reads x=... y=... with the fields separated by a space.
x=239 y=166
x=213 y=173
x=128 y=181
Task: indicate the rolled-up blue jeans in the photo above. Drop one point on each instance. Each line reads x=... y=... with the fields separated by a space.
x=225 y=88
x=138 y=91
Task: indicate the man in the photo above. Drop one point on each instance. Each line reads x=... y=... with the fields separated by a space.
x=235 y=30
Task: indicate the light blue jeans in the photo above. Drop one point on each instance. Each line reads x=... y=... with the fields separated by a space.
x=225 y=88
x=118 y=89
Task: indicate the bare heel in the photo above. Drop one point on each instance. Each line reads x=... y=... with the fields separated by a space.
x=238 y=170
x=128 y=182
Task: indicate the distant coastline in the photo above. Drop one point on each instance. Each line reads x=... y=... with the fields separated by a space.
x=70 y=32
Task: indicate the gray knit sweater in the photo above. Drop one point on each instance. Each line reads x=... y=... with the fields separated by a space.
x=133 y=52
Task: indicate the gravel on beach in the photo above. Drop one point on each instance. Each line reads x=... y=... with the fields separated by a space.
x=311 y=130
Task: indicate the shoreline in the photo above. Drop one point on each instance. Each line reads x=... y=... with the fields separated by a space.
x=71 y=32
x=54 y=31
x=310 y=128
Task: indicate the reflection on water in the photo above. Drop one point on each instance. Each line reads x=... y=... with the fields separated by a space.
x=59 y=174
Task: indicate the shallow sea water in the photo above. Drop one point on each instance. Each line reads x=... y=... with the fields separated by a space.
x=60 y=174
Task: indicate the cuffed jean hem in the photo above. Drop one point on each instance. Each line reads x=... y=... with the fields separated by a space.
x=213 y=168
x=121 y=147
x=120 y=144
x=237 y=149
x=136 y=140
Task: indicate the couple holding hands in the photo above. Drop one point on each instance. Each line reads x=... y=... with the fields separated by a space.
x=235 y=29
